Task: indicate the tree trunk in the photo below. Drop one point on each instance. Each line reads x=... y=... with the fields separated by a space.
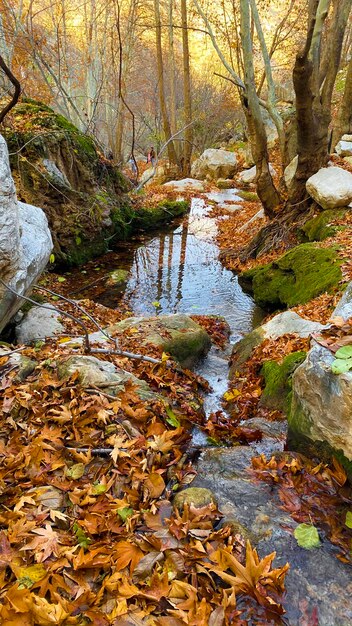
x=314 y=81
x=173 y=120
x=266 y=190
x=187 y=149
x=344 y=117
x=166 y=124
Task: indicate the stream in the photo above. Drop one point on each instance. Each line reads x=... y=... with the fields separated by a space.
x=178 y=271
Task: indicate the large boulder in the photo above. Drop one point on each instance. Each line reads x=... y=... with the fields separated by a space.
x=95 y=373
x=320 y=420
x=25 y=242
x=331 y=187
x=158 y=176
x=177 y=335
x=214 y=164
x=298 y=276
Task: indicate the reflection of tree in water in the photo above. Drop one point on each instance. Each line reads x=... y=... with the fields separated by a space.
x=181 y=268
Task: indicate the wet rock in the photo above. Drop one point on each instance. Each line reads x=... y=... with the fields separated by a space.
x=186 y=184
x=113 y=380
x=273 y=430
x=195 y=496
x=295 y=278
x=39 y=324
x=316 y=578
x=290 y=171
x=320 y=420
x=177 y=335
x=331 y=187
x=214 y=164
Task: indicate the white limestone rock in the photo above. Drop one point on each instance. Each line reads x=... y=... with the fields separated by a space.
x=331 y=187
x=186 y=184
x=248 y=176
x=214 y=164
x=25 y=242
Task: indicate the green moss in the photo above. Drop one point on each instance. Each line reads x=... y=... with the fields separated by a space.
x=87 y=250
x=27 y=306
x=295 y=278
x=148 y=218
x=250 y=196
x=195 y=496
x=320 y=227
x=278 y=381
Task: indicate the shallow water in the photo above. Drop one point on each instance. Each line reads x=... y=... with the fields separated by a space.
x=178 y=271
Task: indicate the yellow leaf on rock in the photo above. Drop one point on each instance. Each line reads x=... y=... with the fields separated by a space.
x=231 y=395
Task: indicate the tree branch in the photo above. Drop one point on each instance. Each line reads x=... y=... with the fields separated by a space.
x=16 y=93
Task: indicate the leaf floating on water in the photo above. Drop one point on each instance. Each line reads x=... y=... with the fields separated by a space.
x=307 y=536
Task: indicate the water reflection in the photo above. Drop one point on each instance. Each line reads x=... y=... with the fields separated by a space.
x=179 y=271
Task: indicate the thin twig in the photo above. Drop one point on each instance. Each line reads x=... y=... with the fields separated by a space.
x=51 y=307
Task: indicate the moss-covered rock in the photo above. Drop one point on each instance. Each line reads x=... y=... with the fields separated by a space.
x=250 y=196
x=301 y=274
x=278 y=381
x=58 y=168
x=321 y=226
x=148 y=218
x=177 y=335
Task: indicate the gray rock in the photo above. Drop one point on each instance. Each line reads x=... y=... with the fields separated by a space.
x=25 y=242
x=98 y=373
x=214 y=164
x=57 y=177
x=321 y=411
x=186 y=184
x=344 y=306
x=289 y=322
x=39 y=324
x=316 y=577
x=331 y=187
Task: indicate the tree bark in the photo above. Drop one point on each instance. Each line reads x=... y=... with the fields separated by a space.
x=166 y=123
x=344 y=117
x=267 y=192
x=187 y=149
x=314 y=82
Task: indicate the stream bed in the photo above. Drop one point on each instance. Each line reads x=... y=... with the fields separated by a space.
x=178 y=270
